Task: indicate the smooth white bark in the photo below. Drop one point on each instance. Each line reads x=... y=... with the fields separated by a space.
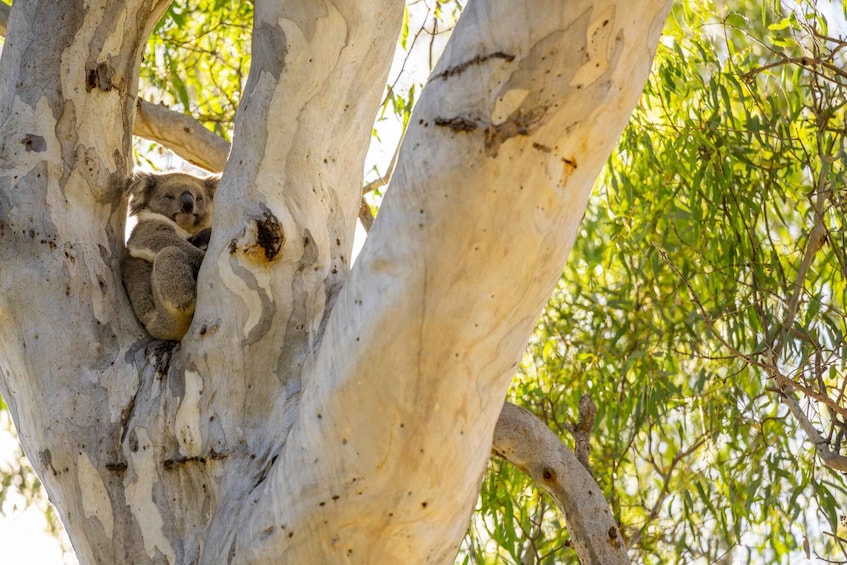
x=293 y=420
x=399 y=404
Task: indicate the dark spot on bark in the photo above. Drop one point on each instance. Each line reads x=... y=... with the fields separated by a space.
x=548 y=474
x=270 y=236
x=231 y=555
x=479 y=59
x=290 y=534
x=310 y=253
x=99 y=77
x=540 y=147
x=34 y=143
x=46 y=458
x=158 y=354
x=613 y=532
x=335 y=497
x=322 y=504
x=117 y=466
x=457 y=124
x=320 y=417
x=174 y=462
x=268 y=531
x=424 y=504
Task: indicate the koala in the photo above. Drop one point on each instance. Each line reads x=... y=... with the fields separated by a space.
x=166 y=248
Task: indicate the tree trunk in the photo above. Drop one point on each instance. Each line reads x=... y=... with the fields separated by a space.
x=312 y=413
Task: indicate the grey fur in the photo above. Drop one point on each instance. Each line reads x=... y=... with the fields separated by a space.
x=166 y=248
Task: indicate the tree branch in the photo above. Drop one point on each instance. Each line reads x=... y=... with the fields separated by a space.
x=182 y=134
x=491 y=184
x=581 y=429
x=67 y=104
x=526 y=442
x=831 y=459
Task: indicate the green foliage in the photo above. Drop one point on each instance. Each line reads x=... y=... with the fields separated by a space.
x=701 y=297
x=197 y=60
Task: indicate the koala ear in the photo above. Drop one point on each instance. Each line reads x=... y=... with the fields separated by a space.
x=139 y=187
x=211 y=183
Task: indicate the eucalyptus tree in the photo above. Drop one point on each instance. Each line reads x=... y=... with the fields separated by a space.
x=313 y=412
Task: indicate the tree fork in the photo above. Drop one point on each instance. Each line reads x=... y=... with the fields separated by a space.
x=358 y=409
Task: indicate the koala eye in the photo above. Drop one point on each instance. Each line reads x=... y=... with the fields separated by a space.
x=169 y=197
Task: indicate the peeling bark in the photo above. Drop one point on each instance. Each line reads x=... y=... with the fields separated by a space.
x=67 y=369
x=311 y=411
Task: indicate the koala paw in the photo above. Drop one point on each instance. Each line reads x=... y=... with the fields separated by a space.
x=173 y=282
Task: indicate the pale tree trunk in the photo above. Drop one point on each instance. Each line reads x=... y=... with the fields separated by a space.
x=311 y=414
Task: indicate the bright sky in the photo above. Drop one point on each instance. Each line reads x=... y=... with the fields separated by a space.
x=24 y=535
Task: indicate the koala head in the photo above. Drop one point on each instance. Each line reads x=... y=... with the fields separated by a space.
x=184 y=198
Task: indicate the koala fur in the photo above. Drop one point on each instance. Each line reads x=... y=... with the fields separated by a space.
x=166 y=248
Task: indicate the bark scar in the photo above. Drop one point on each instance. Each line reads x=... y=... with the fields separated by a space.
x=99 y=77
x=519 y=124
x=262 y=239
x=34 y=142
x=457 y=124
x=479 y=59
x=174 y=462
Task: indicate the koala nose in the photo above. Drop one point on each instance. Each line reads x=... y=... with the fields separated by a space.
x=186 y=202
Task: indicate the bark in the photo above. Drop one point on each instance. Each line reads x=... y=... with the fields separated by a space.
x=182 y=134
x=69 y=340
x=400 y=399
x=527 y=443
x=311 y=412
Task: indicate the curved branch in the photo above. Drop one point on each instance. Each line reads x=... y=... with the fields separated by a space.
x=182 y=134
x=527 y=443
x=830 y=458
